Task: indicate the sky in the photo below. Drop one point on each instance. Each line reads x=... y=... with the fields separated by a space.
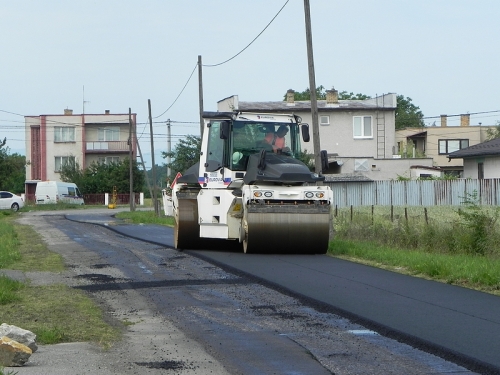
x=118 y=54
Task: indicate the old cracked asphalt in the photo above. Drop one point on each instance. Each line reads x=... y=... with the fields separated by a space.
x=145 y=345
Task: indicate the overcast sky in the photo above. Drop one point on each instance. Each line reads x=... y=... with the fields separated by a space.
x=117 y=54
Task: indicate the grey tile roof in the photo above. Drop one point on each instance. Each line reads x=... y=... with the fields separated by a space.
x=305 y=105
x=489 y=148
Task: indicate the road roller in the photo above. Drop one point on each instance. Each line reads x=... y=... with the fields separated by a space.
x=251 y=186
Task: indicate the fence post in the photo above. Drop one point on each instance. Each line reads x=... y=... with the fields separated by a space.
x=426 y=217
x=106 y=199
x=352 y=209
x=406 y=215
x=392 y=213
x=372 y=213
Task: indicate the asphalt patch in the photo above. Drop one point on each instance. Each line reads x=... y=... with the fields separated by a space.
x=97 y=278
x=166 y=365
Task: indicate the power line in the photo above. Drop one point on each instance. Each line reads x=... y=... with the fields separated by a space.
x=474 y=113
x=194 y=69
x=254 y=39
x=189 y=79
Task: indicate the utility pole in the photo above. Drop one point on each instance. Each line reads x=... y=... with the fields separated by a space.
x=142 y=162
x=155 y=201
x=200 y=93
x=131 y=170
x=169 y=148
x=312 y=89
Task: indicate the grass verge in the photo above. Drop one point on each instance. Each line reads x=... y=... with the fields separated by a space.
x=469 y=271
x=55 y=313
x=145 y=217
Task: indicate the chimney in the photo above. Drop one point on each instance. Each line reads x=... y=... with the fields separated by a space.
x=444 y=121
x=332 y=96
x=290 y=97
x=106 y=112
x=465 y=120
x=68 y=112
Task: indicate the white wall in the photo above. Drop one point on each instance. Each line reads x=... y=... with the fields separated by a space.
x=492 y=167
x=381 y=169
x=338 y=137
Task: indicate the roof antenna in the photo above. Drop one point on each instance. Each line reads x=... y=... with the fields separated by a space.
x=83 y=100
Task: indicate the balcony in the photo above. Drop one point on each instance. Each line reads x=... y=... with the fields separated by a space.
x=106 y=147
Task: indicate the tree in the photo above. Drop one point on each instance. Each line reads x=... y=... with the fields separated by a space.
x=493 y=133
x=185 y=154
x=344 y=95
x=100 y=178
x=321 y=95
x=12 y=169
x=306 y=94
x=408 y=115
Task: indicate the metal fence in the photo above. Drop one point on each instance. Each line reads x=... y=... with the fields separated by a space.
x=415 y=192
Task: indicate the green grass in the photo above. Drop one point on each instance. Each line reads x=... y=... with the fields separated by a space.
x=55 y=313
x=9 y=290
x=465 y=270
x=145 y=217
x=9 y=243
x=438 y=243
x=3 y=371
x=25 y=249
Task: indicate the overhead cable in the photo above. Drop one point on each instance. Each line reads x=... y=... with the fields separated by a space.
x=254 y=39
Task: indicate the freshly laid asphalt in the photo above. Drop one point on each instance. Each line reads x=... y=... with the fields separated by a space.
x=459 y=324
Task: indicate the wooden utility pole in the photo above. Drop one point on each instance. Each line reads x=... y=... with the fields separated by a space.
x=200 y=93
x=312 y=89
x=155 y=198
x=169 y=148
x=130 y=155
x=142 y=162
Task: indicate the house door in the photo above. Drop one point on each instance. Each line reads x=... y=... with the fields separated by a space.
x=480 y=171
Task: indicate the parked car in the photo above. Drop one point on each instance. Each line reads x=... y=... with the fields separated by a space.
x=10 y=201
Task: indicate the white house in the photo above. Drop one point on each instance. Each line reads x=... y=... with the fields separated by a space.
x=481 y=160
x=359 y=135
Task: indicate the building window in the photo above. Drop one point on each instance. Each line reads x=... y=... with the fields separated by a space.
x=324 y=120
x=362 y=126
x=64 y=134
x=109 y=159
x=447 y=146
x=61 y=161
x=109 y=134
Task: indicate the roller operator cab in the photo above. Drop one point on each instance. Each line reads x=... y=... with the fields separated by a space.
x=251 y=186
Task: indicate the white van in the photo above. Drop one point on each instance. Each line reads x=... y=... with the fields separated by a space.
x=56 y=191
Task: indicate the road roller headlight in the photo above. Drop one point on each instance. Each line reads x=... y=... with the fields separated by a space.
x=309 y=194
x=268 y=194
x=320 y=194
x=257 y=194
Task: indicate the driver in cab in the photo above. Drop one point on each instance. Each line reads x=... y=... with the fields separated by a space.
x=277 y=139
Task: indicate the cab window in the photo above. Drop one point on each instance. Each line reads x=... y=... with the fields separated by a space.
x=215 y=150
